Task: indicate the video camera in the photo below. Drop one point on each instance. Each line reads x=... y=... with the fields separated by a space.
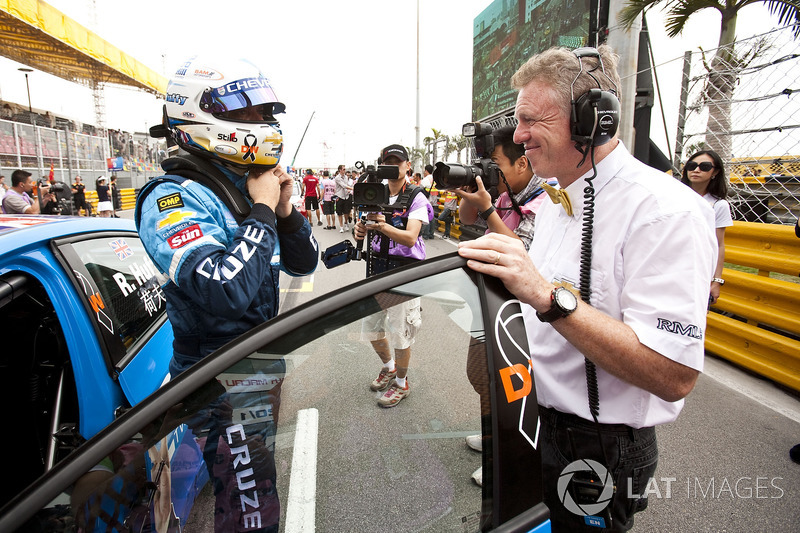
x=454 y=176
x=371 y=194
x=62 y=194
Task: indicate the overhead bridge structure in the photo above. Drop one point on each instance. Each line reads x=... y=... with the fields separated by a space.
x=33 y=32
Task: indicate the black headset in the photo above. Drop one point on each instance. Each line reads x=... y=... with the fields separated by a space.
x=595 y=114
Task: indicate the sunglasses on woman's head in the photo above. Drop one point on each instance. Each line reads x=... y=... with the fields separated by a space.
x=705 y=166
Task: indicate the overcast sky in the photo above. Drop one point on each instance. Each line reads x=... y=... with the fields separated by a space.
x=352 y=63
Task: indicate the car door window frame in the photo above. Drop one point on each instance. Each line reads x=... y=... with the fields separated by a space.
x=515 y=490
x=115 y=354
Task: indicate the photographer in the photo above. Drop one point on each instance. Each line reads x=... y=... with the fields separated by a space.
x=634 y=337
x=17 y=199
x=513 y=218
x=397 y=242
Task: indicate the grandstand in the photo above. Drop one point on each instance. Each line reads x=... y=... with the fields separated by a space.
x=34 y=33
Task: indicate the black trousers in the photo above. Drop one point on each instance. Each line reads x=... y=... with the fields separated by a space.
x=632 y=455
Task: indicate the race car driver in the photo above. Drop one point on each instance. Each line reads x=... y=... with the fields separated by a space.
x=221 y=224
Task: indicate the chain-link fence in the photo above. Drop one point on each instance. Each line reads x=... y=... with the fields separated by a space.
x=744 y=103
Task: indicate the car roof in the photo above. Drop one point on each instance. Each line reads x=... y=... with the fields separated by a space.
x=17 y=231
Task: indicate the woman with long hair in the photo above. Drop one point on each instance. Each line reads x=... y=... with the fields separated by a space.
x=704 y=172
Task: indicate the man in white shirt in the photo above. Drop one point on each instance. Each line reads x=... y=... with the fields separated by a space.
x=652 y=259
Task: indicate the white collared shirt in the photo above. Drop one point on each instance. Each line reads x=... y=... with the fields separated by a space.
x=653 y=256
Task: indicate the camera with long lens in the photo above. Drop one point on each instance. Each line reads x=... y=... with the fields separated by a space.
x=371 y=194
x=454 y=176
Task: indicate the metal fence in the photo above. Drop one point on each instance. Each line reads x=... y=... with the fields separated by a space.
x=746 y=107
x=36 y=148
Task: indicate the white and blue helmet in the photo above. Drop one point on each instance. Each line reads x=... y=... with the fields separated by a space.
x=206 y=101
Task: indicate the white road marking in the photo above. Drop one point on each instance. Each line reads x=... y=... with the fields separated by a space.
x=302 y=499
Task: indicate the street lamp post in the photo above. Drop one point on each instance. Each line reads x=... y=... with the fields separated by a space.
x=27 y=70
x=28 y=86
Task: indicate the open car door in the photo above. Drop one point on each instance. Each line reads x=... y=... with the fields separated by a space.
x=283 y=423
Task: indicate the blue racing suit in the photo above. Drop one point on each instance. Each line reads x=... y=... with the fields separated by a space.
x=223 y=276
x=223 y=282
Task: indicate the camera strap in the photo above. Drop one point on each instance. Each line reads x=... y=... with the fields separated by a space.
x=378 y=261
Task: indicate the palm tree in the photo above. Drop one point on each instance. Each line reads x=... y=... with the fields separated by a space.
x=460 y=143
x=725 y=66
x=437 y=136
x=449 y=147
x=417 y=156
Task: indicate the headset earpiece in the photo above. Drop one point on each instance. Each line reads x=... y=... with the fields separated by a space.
x=595 y=115
x=595 y=118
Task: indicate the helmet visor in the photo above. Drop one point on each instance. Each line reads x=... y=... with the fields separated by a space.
x=239 y=94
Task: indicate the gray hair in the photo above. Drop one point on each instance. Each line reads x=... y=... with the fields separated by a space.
x=557 y=67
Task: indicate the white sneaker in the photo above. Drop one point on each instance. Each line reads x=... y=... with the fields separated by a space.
x=475 y=442
x=341 y=230
x=477 y=476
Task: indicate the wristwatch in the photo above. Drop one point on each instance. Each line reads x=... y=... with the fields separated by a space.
x=718 y=280
x=562 y=303
x=486 y=214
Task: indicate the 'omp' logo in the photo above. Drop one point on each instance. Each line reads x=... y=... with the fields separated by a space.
x=599 y=473
x=169 y=202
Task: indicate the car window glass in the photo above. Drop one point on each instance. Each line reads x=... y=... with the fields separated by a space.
x=122 y=287
x=291 y=437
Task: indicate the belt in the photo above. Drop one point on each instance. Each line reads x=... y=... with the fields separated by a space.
x=554 y=415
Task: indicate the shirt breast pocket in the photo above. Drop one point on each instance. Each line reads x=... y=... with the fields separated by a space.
x=568 y=274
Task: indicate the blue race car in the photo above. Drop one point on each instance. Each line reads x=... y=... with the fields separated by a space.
x=84 y=333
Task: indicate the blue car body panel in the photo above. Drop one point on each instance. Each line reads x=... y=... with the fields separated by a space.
x=25 y=246
x=146 y=372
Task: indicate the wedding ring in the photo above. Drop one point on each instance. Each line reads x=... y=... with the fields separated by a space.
x=497 y=258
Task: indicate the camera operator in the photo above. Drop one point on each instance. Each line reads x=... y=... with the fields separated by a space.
x=396 y=242
x=513 y=218
x=17 y=199
x=640 y=318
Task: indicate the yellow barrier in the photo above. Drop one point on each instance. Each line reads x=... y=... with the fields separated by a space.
x=760 y=327
x=455 y=225
x=128 y=198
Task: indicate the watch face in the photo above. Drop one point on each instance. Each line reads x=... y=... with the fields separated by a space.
x=566 y=300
